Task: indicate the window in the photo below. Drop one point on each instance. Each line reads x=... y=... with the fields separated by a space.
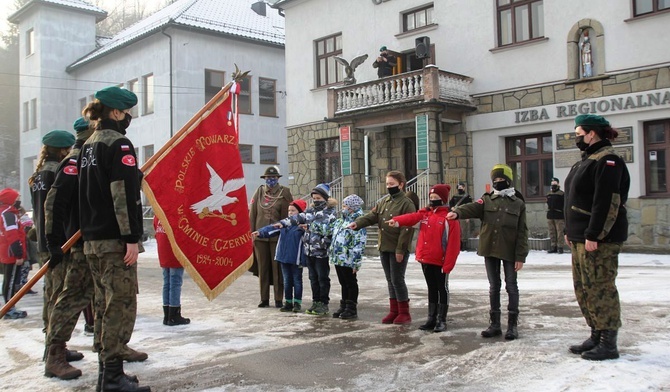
x=519 y=20
x=267 y=105
x=328 y=160
x=657 y=157
x=148 y=152
x=328 y=72
x=26 y=116
x=82 y=104
x=530 y=158
x=30 y=42
x=269 y=155
x=134 y=86
x=244 y=98
x=246 y=153
x=148 y=97
x=33 y=113
x=644 y=7
x=418 y=18
x=214 y=81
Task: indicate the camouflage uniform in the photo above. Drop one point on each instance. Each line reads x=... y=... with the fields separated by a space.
x=603 y=219
x=53 y=285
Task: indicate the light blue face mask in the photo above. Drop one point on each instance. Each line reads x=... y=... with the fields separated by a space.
x=271 y=182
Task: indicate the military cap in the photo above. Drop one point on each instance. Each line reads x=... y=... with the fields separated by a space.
x=591 y=119
x=272 y=171
x=383 y=48
x=58 y=138
x=116 y=97
x=80 y=124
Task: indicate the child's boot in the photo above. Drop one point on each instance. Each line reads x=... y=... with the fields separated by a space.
x=340 y=310
x=349 y=311
x=288 y=306
x=393 y=311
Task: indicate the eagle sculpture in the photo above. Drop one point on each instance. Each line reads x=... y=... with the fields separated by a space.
x=219 y=194
x=349 y=68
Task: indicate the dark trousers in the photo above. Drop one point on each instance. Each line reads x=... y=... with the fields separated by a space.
x=395 y=275
x=9 y=288
x=292 y=274
x=349 y=283
x=438 y=284
x=493 y=273
x=319 y=279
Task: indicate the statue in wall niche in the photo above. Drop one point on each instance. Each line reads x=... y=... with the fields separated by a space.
x=349 y=68
x=586 y=58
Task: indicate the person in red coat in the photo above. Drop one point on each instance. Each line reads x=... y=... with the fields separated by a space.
x=12 y=247
x=173 y=277
x=437 y=249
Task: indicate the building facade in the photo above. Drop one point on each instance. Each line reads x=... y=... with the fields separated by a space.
x=174 y=60
x=475 y=84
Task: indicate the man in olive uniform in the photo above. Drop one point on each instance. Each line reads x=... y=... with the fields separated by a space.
x=269 y=205
x=111 y=227
x=555 y=218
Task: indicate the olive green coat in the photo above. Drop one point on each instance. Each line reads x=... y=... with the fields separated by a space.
x=391 y=239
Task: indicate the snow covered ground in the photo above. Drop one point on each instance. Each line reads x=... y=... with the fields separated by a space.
x=231 y=345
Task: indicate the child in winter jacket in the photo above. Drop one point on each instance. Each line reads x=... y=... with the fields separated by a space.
x=317 y=239
x=437 y=249
x=346 y=254
x=290 y=255
x=173 y=278
x=12 y=247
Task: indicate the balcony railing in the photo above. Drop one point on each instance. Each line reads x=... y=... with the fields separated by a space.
x=429 y=83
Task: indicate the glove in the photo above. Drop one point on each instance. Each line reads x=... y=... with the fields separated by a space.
x=55 y=259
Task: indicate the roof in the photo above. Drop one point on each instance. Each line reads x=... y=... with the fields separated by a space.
x=227 y=17
x=76 y=4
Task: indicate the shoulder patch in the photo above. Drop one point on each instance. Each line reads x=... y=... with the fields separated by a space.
x=70 y=170
x=480 y=201
x=128 y=160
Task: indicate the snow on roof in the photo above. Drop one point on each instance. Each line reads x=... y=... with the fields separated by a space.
x=78 y=4
x=230 y=17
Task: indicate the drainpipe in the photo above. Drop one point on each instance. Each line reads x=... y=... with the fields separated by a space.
x=171 y=98
x=439 y=140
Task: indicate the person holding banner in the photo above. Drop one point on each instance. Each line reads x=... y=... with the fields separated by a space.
x=111 y=227
x=269 y=205
x=12 y=247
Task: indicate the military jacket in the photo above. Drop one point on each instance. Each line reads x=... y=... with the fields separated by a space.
x=555 y=202
x=42 y=182
x=391 y=239
x=268 y=206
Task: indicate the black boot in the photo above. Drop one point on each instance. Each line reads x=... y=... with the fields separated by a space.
x=166 y=314
x=588 y=344
x=606 y=349
x=552 y=250
x=512 y=321
x=494 y=327
x=175 y=317
x=560 y=250
x=340 y=310
x=430 y=321
x=114 y=379
x=349 y=311
x=441 y=325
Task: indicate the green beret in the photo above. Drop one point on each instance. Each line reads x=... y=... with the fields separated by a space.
x=58 y=139
x=383 y=48
x=80 y=125
x=591 y=119
x=116 y=97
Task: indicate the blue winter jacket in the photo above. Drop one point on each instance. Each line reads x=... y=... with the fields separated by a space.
x=290 y=248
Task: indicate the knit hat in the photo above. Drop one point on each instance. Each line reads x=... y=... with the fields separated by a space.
x=8 y=196
x=502 y=171
x=591 y=119
x=555 y=179
x=116 y=97
x=353 y=201
x=441 y=190
x=272 y=171
x=58 y=138
x=299 y=204
x=323 y=190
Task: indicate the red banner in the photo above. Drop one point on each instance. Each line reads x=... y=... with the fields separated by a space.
x=196 y=187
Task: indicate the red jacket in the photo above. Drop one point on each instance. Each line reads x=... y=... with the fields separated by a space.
x=12 y=234
x=166 y=257
x=435 y=245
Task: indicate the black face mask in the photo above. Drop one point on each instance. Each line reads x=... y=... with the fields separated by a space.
x=436 y=203
x=125 y=123
x=461 y=191
x=17 y=204
x=579 y=142
x=319 y=203
x=500 y=185
x=554 y=188
x=393 y=190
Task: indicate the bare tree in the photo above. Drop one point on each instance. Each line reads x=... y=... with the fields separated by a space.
x=124 y=14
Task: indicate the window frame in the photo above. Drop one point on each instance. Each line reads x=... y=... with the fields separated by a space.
x=542 y=157
x=655 y=9
x=647 y=163
x=26 y=116
x=328 y=163
x=274 y=97
x=251 y=152
x=413 y=13
x=148 y=91
x=275 y=152
x=133 y=85
x=512 y=6
x=210 y=89
x=147 y=152
x=243 y=94
x=33 y=114
x=30 y=42
x=329 y=60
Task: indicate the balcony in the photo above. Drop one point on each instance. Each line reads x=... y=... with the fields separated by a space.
x=429 y=84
